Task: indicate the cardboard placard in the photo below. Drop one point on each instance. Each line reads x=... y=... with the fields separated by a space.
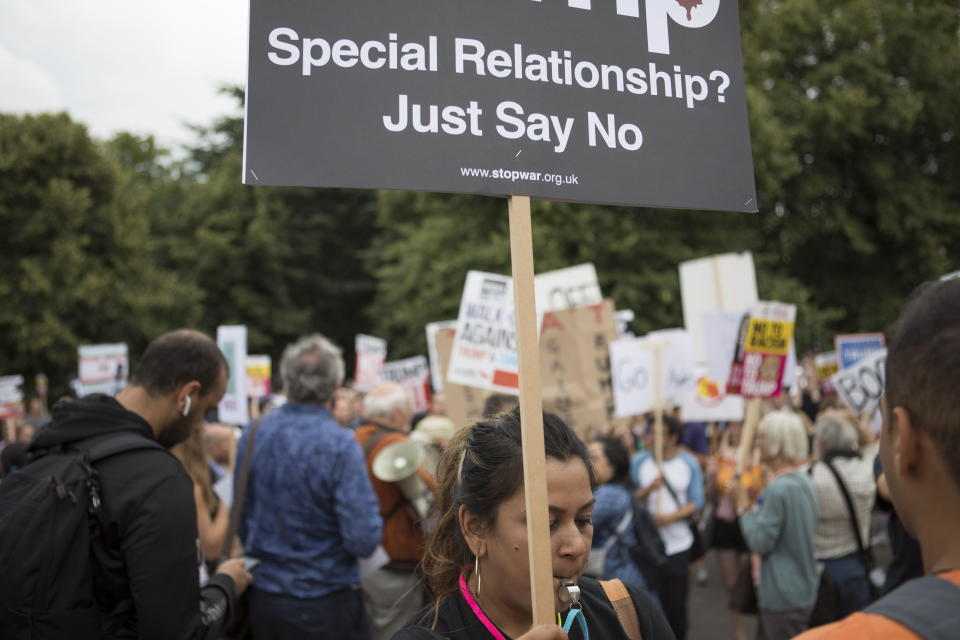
x=233 y=407
x=437 y=372
x=575 y=366
x=104 y=368
x=414 y=375
x=616 y=104
x=861 y=386
x=371 y=353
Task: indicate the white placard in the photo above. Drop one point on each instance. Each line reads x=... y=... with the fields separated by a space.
x=485 y=347
x=104 y=368
x=436 y=373
x=861 y=386
x=624 y=317
x=725 y=282
x=721 y=330
x=710 y=403
x=414 y=375
x=679 y=379
x=567 y=288
x=631 y=368
x=371 y=354
x=232 y=341
x=10 y=389
x=11 y=397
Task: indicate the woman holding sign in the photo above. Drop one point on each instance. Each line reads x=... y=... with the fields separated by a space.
x=476 y=563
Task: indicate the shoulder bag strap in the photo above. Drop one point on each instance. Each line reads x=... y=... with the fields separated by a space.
x=928 y=606
x=374 y=440
x=622 y=603
x=673 y=494
x=854 y=522
x=619 y=530
x=236 y=509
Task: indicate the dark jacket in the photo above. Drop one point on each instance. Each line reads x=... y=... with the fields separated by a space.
x=458 y=622
x=145 y=562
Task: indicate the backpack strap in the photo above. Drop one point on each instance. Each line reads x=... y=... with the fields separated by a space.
x=622 y=603
x=105 y=446
x=928 y=606
x=240 y=491
x=620 y=529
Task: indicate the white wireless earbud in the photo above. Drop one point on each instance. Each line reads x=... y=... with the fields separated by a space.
x=186 y=406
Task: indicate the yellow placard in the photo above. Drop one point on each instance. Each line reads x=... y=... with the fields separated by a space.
x=770 y=337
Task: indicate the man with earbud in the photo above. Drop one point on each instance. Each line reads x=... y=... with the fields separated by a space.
x=144 y=562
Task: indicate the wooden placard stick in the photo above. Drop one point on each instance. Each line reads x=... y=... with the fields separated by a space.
x=714 y=439
x=10 y=430
x=658 y=434
x=531 y=414
x=750 y=421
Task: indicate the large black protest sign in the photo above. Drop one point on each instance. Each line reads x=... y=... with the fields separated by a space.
x=636 y=102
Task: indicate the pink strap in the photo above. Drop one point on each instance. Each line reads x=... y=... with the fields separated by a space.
x=477 y=611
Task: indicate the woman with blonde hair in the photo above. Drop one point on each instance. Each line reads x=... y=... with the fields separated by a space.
x=213 y=516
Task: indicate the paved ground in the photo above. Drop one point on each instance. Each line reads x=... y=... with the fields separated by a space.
x=707 y=611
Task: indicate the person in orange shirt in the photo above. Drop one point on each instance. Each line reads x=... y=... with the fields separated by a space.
x=727 y=540
x=920 y=450
x=392 y=592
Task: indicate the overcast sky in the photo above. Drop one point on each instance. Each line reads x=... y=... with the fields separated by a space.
x=123 y=65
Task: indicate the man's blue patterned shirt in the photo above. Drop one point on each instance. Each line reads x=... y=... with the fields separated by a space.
x=310 y=510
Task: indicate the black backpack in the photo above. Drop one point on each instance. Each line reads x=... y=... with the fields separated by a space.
x=50 y=512
x=649 y=554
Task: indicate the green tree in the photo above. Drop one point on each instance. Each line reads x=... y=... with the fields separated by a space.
x=283 y=261
x=853 y=109
x=75 y=255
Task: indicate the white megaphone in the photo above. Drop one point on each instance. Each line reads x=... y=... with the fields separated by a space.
x=398 y=463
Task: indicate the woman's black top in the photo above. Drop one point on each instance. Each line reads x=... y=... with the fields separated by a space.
x=458 y=622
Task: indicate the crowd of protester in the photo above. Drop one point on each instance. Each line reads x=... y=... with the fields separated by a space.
x=296 y=513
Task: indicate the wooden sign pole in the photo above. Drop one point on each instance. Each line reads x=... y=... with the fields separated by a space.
x=748 y=434
x=658 y=411
x=531 y=414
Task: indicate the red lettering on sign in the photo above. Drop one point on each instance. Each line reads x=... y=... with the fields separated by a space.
x=550 y=321
x=506 y=379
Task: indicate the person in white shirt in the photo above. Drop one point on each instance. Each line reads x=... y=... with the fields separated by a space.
x=837 y=443
x=672 y=507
